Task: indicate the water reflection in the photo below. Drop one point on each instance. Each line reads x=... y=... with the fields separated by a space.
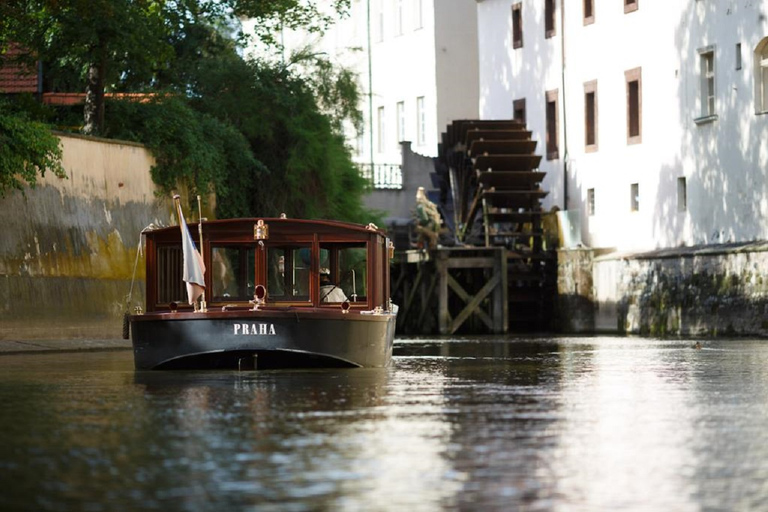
x=468 y=424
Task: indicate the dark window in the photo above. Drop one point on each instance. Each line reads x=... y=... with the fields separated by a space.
x=630 y=5
x=591 y=202
x=682 y=194
x=288 y=272
x=170 y=287
x=634 y=199
x=589 y=12
x=519 y=110
x=517 y=25
x=552 y=125
x=549 y=18
x=233 y=273
x=345 y=265
x=590 y=115
x=634 y=106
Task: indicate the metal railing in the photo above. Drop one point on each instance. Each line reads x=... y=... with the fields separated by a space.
x=383 y=176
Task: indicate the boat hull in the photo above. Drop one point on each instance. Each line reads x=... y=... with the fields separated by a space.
x=261 y=339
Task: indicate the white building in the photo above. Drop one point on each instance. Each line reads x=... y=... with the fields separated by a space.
x=417 y=67
x=657 y=112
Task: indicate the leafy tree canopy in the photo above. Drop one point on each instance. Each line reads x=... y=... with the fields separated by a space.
x=27 y=149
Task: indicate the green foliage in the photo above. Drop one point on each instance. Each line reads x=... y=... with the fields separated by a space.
x=309 y=15
x=311 y=171
x=27 y=148
x=190 y=148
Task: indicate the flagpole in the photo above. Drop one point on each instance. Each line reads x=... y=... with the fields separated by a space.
x=203 y=305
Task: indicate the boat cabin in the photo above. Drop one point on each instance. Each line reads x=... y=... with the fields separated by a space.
x=285 y=262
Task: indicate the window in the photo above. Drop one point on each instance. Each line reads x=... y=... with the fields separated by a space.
x=682 y=195
x=418 y=18
x=552 y=125
x=590 y=116
x=707 y=71
x=518 y=108
x=288 y=272
x=634 y=197
x=380 y=18
x=170 y=264
x=346 y=267
x=399 y=17
x=400 y=121
x=738 y=56
x=761 y=77
x=634 y=106
x=421 y=121
x=549 y=18
x=591 y=202
x=233 y=273
x=630 y=5
x=517 y=25
x=589 y=12
x=382 y=132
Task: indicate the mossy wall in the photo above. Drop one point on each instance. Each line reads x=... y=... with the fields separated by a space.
x=718 y=290
x=69 y=246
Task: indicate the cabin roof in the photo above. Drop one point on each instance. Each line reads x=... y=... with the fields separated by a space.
x=276 y=225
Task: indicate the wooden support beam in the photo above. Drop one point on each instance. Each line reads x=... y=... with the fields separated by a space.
x=473 y=303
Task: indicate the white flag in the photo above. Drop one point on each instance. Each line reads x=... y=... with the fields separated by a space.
x=194 y=268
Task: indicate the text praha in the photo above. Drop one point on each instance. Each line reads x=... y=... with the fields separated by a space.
x=254 y=329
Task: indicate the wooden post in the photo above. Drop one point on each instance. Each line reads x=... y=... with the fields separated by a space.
x=500 y=303
x=444 y=316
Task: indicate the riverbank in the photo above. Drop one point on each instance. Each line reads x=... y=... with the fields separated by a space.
x=73 y=345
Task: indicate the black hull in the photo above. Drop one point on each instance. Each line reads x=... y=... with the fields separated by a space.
x=276 y=339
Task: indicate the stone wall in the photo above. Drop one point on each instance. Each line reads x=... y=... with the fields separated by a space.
x=69 y=246
x=713 y=290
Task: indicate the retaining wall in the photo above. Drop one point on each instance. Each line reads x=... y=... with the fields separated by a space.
x=719 y=290
x=69 y=246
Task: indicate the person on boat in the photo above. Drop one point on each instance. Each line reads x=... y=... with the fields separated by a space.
x=329 y=292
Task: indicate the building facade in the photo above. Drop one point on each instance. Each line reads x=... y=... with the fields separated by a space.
x=652 y=116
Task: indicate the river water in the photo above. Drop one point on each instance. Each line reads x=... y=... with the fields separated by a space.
x=489 y=423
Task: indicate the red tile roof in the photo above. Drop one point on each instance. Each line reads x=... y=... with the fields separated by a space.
x=14 y=77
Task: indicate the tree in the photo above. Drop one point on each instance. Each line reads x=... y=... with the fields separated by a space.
x=98 y=42
x=27 y=149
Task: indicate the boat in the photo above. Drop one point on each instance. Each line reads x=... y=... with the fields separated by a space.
x=253 y=293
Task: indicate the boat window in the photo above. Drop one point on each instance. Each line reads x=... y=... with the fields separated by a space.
x=288 y=272
x=346 y=267
x=170 y=287
x=232 y=273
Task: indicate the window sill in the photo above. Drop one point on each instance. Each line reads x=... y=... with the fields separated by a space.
x=705 y=119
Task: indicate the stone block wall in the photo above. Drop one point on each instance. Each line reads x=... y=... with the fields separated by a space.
x=713 y=290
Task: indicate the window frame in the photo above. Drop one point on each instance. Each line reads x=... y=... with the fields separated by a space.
x=400 y=112
x=421 y=121
x=517 y=25
x=381 y=124
x=760 y=57
x=589 y=19
x=590 y=88
x=552 y=125
x=634 y=197
x=518 y=105
x=634 y=108
x=707 y=85
x=550 y=18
